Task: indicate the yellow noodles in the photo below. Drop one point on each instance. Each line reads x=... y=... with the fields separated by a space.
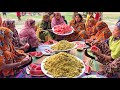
x=63 y=45
x=63 y=65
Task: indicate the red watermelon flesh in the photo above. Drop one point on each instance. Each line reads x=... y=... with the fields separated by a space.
x=62 y=29
x=36 y=72
x=33 y=66
x=94 y=48
x=38 y=68
x=50 y=42
x=48 y=51
x=81 y=45
x=32 y=53
x=38 y=54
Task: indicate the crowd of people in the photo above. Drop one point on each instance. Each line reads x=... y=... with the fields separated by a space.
x=14 y=46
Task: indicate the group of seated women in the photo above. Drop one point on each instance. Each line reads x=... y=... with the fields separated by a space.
x=14 y=47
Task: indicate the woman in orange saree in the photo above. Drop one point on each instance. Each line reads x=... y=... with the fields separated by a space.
x=16 y=40
x=79 y=29
x=90 y=27
x=10 y=60
x=103 y=33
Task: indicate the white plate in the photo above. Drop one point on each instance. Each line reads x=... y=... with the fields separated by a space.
x=64 y=50
x=27 y=70
x=45 y=71
x=94 y=76
x=81 y=42
x=43 y=47
x=63 y=34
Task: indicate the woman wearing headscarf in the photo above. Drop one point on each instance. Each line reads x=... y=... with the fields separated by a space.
x=42 y=29
x=10 y=60
x=51 y=15
x=45 y=23
x=90 y=27
x=16 y=40
x=103 y=33
x=89 y=16
x=28 y=34
x=74 y=15
x=79 y=29
x=57 y=20
x=109 y=53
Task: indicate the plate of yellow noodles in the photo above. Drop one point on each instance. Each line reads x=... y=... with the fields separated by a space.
x=63 y=65
x=64 y=46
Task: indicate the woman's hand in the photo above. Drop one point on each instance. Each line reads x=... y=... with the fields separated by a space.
x=89 y=40
x=26 y=46
x=26 y=60
x=76 y=31
x=93 y=42
x=21 y=43
x=98 y=51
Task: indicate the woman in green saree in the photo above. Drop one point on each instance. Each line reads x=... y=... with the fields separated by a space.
x=42 y=29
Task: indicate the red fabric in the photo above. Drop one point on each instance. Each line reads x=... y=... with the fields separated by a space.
x=0 y=20
x=18 y=14
x=97 y=16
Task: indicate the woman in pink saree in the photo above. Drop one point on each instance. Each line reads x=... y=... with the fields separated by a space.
x=28 y=35
x=57 y=19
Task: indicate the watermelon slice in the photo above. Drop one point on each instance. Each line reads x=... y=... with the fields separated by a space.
x=32 y=53
x=36 y=72
x=33 y=66
x=94 y=48
x=48 y=51
x=50 y=42
x=38 y=54
x=87 y=70
x=62 y=29
x=27 y=45
x=38 y=68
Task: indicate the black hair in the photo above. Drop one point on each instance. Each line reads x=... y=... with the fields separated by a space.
x=118 y=21
x=63 y=17
x=79 y=16
x=32 y=22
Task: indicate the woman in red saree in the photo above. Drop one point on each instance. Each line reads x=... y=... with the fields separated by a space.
x=19 y=16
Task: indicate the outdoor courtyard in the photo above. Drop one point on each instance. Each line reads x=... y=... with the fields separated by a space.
x=109 y=17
